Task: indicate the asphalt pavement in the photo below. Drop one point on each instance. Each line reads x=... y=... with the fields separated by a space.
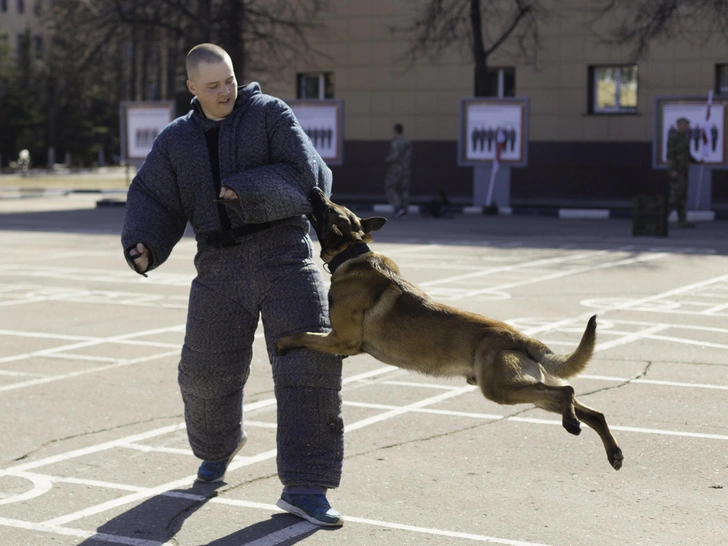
x=94 y=449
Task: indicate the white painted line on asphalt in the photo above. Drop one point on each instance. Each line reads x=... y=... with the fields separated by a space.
x=689 y=342
x=238 y=462
x=521 y=265
x=630 y=338
x=153 y=449
x=533 y=420
x=94 y=483
x=80 y=533
x=399 y=410
x=453 y=413
x=65 y=337
x=439 y=532
x=566 y=273
x=61 y=457
x=421 y=385
x=97 y=369
x=283 y=535
x=639 y=430
x=678 y=384
x=10 y=373
x=95 y=341
x=41 y=485
x=368 y=375
x=625 y=305
x=260 y=424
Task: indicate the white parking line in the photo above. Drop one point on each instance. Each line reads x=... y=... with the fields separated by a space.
x=390 y=412
x=283 y=535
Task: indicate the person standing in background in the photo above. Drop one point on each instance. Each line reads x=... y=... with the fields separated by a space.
x=678 y=164
x=399 y=167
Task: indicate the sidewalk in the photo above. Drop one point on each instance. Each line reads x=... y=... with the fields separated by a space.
x=112 y=183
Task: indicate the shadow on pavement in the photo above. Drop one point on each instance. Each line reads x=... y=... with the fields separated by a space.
x=462 y=229
x=161 y=518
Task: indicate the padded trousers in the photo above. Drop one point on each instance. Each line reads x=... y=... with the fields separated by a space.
x=270 y=275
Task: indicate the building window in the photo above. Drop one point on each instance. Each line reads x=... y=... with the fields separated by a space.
x=21 y=6
x=501 y=82
x=38 y=46
x=315 y=85
x=721 y=79
x=613 y=89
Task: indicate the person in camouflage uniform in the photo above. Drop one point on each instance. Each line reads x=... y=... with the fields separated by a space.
x=397 y=179
x=678 y=163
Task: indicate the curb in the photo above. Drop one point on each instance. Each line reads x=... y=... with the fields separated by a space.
x=562 y=213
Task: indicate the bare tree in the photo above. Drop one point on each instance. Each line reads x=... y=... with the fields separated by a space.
x=100 y=52
x=640 y=23
x=481 y=26
x=258 y=34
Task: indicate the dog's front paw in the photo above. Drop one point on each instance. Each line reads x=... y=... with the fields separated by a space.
x=284 y=346
x=616 y=458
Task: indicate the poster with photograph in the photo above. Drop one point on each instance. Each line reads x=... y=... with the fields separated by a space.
x=141 y=122
x=322 y=120
x=709 y=147
x=493 y=126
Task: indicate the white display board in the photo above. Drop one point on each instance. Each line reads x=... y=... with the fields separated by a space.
x=141 y=122
x=486 y=122
x=323 y=122
x=668 y=110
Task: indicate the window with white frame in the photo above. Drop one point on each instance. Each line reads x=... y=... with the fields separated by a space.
x=501 y=82
x=315 y=85
x=613 y=89
x=721 y=79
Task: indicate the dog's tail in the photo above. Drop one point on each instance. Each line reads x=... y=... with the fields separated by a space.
x=565 y=366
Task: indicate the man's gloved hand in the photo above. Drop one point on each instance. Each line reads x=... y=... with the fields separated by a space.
x=140 y=256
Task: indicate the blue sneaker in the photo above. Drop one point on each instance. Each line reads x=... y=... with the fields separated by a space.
x=314 y=508
x=210 y=471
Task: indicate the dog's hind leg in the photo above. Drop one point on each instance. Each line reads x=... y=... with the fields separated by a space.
x=598 y=422
x=513 y=378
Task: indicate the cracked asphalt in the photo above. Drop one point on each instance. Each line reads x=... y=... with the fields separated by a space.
x=94 y=449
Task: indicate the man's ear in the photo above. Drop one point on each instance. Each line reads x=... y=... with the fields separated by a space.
x=372 y=224
x=191 y=87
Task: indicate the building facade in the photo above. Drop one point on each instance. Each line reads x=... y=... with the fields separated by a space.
x=20 y=19
x=591 y=105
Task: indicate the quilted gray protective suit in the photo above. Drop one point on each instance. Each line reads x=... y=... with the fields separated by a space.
x=267 y=159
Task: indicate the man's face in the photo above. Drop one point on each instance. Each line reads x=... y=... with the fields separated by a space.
x=215 y=87
x=683 y=126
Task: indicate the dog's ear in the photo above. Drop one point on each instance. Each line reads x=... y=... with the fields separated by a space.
x=372 y=224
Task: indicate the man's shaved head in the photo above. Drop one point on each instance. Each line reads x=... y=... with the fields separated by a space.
x=204 y=53
x=211 y=78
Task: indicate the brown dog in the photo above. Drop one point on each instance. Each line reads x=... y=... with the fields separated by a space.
x=375 y=310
